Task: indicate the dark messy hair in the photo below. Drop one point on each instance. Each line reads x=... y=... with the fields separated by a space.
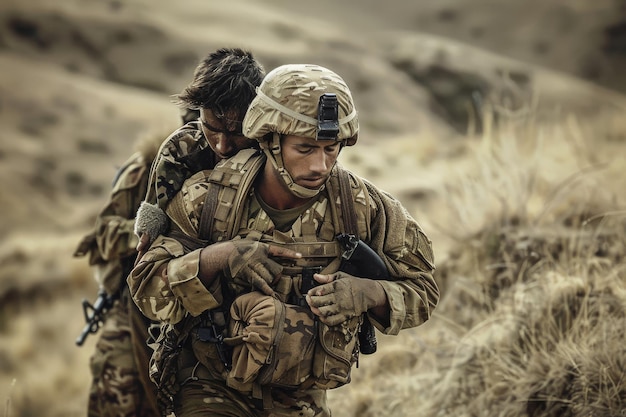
x=224 y=82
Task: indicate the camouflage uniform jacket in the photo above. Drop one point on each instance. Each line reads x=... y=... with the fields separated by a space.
x=183 y=153
x=111 y=246
x=386 y=227
x=119 y=365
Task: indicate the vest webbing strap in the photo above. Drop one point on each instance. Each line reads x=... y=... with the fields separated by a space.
x=347 y=204
x=205 y=228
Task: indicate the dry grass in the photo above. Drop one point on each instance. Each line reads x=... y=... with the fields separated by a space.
x=533 y=312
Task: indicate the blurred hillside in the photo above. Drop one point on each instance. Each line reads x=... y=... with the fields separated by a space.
x=586 y=39
x=437 y=84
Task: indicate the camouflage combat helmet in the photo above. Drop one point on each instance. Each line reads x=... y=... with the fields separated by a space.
x=302 y=100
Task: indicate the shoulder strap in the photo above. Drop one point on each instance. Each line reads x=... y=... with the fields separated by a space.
x=347 y=204
x=208 y=211
x=229 y=183
x=349 y=188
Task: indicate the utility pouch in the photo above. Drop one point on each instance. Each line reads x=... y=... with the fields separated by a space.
x=274 y=343
x=337 y=350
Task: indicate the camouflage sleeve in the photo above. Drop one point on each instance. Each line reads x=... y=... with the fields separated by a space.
x=182 y=292
x=165 y=284
x=180 y=156
x=147 y=287
x=412 y=291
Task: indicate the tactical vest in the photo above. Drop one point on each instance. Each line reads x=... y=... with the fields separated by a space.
x=228 y=211
x=223 y=204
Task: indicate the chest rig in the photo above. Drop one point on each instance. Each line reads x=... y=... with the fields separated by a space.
x=220 y=205
x=230 y=210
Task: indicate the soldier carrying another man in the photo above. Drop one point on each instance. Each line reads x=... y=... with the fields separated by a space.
x=261 y=316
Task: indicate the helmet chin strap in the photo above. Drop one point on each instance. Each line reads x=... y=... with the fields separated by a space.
x=273 y=153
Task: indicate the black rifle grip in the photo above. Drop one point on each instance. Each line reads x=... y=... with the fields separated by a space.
x=361 y=261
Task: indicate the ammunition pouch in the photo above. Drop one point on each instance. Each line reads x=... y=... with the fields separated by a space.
x=283 y=345
x=274 y=343
x=337 y=350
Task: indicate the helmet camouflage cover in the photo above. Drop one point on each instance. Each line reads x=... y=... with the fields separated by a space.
x=288 y=102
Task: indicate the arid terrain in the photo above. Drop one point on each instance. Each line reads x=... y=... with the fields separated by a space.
x=500 y=124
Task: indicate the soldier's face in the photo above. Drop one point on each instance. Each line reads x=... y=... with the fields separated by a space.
x=309 y=161
x=223 y=134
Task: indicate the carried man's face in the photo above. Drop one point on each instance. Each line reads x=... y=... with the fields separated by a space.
x=223 y=134
x=309 y=161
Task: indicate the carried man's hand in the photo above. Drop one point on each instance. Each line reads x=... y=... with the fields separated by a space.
x=144 y=242
x=342 y=296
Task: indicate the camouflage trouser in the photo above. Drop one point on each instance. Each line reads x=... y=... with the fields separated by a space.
x=203 y=394
x=119 y=366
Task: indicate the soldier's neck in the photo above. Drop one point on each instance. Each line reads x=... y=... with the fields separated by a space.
x=274 y=192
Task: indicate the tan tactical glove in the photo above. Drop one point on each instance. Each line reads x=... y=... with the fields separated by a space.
x=345 y=297
x=251 y=264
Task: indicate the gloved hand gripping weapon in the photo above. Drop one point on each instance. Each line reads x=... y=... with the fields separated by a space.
x=360 y=260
